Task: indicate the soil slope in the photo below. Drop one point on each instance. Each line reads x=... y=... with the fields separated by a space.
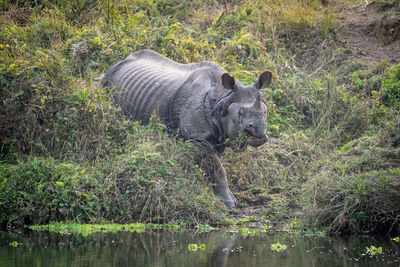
x=371 y=33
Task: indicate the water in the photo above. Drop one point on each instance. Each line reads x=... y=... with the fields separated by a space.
x=167 y=248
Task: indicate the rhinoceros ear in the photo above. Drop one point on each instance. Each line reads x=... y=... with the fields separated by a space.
x=227 y=81
x=264 y=80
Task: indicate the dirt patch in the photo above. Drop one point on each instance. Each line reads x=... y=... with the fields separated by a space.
x=371 y=33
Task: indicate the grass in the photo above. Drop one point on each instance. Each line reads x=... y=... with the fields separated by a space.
x=138 y=184
x=67 y=154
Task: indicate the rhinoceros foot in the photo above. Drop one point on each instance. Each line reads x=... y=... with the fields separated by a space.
x=226 y=196
x=229 y=204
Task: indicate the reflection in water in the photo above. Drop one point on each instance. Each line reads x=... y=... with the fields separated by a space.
x=220 y=254
x=164 y=248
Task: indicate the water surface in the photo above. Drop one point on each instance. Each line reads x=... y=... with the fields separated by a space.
x=169 y=248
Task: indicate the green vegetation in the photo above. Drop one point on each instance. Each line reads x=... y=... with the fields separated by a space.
x=135 y=185
x=195 y=247
x=372 y=250
x=67 y=154
x=86 y=229
x=14 y=244
x=278 y=247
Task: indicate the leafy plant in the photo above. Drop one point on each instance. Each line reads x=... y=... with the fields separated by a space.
x=14 y=244
x=373 y=251
x=278 y=247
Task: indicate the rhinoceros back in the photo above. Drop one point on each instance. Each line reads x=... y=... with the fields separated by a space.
x=146 y=82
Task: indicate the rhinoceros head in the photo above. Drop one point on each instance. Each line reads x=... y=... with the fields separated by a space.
x=243 y=111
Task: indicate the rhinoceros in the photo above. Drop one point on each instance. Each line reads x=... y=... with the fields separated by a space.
x=201 y=100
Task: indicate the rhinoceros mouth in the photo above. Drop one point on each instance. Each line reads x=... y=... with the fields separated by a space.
x=257 y=141
x=246 y=138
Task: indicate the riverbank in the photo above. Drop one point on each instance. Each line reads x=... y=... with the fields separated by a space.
x=333 y=161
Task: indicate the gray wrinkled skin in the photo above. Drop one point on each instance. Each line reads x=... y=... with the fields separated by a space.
x=200 y=100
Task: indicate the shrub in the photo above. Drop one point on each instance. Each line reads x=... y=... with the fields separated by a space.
x=154 y=180
x=357 y=192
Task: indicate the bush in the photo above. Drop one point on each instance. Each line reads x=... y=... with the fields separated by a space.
x=154 y=180
x=357 y=191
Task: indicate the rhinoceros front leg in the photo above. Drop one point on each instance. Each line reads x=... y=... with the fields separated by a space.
x=217 y=174
x=220 y=181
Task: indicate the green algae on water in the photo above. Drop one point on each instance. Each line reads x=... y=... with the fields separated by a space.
x=86 y=229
